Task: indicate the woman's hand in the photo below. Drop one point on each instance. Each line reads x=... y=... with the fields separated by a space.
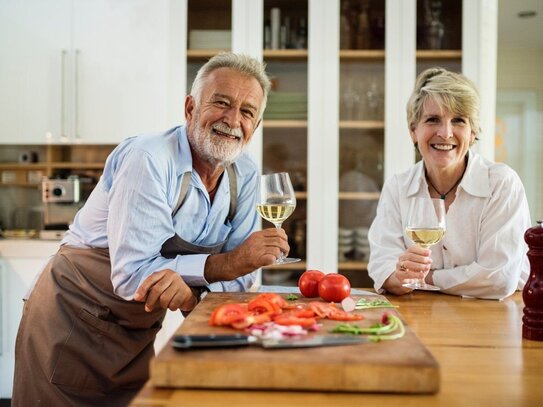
x=166 y=289
x=414 y=263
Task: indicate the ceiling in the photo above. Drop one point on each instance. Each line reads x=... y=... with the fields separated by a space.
x=515 y=32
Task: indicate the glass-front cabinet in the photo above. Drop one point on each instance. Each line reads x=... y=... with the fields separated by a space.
x=342 y=71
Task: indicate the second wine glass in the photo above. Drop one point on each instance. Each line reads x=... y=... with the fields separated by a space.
x=276 y=202
x=426 y=227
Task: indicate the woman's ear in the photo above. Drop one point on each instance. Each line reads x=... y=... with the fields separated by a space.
x=413 y=134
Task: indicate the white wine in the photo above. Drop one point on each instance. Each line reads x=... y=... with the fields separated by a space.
x=275 y=213
x=425 y=237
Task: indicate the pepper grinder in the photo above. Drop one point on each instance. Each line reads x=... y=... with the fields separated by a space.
x=532 y=295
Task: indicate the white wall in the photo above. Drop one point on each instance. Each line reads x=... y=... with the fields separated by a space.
x=521 y=70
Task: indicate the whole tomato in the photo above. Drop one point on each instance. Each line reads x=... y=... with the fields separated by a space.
x=334 y=287
x=308 y=283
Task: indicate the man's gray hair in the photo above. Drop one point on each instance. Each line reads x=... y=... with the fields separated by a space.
x=239 y=62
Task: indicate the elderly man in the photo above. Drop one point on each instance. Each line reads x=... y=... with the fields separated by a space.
x=172 y=215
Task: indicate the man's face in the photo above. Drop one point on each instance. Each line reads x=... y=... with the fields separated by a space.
x=223 y=121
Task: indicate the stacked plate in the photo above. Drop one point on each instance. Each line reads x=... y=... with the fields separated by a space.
x=210 y=39
x=286 y=106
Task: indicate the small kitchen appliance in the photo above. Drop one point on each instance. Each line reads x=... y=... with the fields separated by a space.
x=62 y=198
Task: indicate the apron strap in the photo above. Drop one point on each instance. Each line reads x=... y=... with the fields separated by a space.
x=233 y=181
x=233 y=191
x=183 y=193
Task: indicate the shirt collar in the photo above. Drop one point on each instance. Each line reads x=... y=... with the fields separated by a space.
x=476 y=180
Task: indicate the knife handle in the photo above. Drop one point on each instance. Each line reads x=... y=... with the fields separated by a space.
x=210 y=341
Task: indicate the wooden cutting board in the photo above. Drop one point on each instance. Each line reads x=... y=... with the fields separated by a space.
x=399 y=366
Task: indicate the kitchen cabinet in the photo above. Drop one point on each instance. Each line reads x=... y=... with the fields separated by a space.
x=356 y=81
x=20 y=263
x=75 y=71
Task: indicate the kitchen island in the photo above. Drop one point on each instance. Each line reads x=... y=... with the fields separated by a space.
x=478 y=344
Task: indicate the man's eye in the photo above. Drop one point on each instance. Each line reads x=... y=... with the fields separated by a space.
x=248 y=113
x=221 y=102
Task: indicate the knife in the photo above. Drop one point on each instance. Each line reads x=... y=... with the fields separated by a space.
x=182 y=342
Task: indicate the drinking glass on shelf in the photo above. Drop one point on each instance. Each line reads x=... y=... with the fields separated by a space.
x=276 y=202
x=426 y=227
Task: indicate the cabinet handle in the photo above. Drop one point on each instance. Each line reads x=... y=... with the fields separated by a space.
x=76 y=95
x=63 y=135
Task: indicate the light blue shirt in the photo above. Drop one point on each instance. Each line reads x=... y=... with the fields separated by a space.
x=130 y=212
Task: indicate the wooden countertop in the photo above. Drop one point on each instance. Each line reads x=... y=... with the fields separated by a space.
x=478 y=344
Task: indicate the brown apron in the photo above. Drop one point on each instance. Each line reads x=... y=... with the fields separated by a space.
x=78 y=343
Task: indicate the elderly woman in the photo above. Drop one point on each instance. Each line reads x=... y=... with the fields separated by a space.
x=483 y=253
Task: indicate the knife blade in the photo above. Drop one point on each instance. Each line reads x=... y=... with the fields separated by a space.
x=182 y=342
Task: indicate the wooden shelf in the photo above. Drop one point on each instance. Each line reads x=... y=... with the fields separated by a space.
x=352 y=265
x=301 y=195
x=362 y=124
x=80 y=166
x=285 y=54
x=280 y=124
x=23 y=167
x=301 y=265
x=439 y=54
x=19 y=184
x=202 y=54
x=363 y=196
x=362 y=55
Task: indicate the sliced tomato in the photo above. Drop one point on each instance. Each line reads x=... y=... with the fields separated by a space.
x=289 y=319
x=274 y=298
x=263 y=305
x=345 y=316
x=331 y=311
x=227 y=313
x=322 y=309
x=303 y=313
x=250 y=320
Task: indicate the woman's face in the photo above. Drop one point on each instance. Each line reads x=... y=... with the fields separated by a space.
x=443 y=137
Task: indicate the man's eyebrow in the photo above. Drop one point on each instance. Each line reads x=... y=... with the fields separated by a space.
x=245 y=104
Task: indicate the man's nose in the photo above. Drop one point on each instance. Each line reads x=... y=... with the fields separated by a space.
x=232 y=117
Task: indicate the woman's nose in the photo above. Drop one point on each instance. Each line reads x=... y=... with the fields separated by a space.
x=446 y=130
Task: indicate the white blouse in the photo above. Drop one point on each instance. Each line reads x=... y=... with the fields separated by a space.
x=483 y=253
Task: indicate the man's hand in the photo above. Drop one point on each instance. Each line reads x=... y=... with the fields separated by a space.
x=260 y=249
x=166 y=289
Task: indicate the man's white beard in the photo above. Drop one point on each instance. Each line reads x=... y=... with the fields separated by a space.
x=213 y=148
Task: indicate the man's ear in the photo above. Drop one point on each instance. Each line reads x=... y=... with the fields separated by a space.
x=189 y=107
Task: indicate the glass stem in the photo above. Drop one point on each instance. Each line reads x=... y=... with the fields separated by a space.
x=282 y=256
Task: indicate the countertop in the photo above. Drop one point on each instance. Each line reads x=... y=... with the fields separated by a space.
x=478 y=343
x=28 y=248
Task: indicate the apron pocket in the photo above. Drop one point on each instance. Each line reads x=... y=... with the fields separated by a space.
x=102 y=355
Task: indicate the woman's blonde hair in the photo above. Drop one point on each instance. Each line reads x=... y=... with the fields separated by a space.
x=450 y=90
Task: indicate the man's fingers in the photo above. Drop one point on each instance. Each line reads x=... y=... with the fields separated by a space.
x=141 y=292
x=156 y=292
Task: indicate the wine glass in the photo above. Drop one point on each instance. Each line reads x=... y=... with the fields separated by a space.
x=276 y=202
x=426 y=227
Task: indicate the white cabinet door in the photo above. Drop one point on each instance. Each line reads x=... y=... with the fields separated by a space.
x=121 y=63
x=34 y=38
x=16 y=277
